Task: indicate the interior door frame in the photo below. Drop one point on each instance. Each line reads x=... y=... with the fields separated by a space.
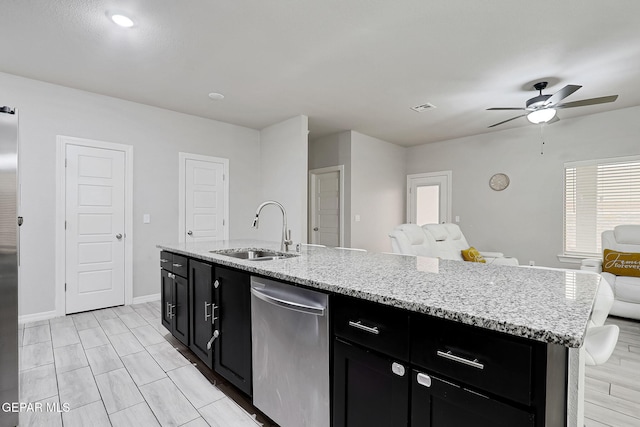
x=182 y=215
x=416 y=176
x=312 y=199
x=61 y=193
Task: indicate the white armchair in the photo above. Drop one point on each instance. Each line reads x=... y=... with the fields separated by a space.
x=626 y=289
x=444 y=241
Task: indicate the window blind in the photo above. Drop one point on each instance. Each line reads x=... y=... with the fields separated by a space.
x=598 y=196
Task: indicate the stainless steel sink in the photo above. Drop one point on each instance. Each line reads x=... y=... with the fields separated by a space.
x=255 y=255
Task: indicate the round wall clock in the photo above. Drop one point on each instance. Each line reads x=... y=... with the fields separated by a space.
x=499 y=182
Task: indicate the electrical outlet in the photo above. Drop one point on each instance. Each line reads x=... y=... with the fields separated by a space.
x=532 y=262
x=356 y=218
x=457 y=218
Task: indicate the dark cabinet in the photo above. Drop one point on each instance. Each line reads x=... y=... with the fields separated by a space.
x=439 y=403
x=232 y=355
x=202 y=309
x=371 y=378
x=175 y=295
x=369 y=389
x=208 y=308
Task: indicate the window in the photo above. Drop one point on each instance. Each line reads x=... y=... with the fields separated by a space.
x=598 y=195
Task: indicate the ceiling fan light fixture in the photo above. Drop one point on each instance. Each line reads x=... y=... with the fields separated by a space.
x=121 y=20
x=541 y=116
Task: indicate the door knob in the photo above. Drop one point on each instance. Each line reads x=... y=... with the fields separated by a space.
x=190 y=233
x=315 y=228
x=118 y=236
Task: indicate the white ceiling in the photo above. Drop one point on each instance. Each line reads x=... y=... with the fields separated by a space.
x=347 y=64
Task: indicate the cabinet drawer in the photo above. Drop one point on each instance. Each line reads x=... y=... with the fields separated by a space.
x=375 y=326
x=485 y=360
x=166 y=260
x=179 y=265
x=441 y=403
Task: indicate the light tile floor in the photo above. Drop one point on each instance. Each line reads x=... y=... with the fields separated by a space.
x=114 y=367
x=612 y=390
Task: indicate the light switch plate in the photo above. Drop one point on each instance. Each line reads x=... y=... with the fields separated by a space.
x=146 y=219
x=357 y=218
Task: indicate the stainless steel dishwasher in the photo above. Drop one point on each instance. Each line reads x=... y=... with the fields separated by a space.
x=290 y=334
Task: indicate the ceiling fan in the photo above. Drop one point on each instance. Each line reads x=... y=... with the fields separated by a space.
x=542 y=108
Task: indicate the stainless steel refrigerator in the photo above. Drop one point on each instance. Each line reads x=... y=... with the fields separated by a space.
x=9 y=241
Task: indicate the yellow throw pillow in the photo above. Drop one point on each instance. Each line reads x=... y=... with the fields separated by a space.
x=472 y=255
x=621 y=263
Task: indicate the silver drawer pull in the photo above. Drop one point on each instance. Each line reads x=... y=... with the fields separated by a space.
x=163 y=260
x=371 y=329
x=448 y=355
x=177 y=265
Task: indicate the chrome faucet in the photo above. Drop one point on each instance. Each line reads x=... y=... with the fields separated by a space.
x=286 y=234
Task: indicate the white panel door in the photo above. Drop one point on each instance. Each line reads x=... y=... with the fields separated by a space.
x=204 y=200
x=325 y=220
x=95 y=213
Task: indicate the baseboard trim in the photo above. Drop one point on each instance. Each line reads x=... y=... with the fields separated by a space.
x=45 y=315
x=146 y=298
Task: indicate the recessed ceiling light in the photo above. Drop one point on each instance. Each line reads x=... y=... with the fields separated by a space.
x=216 y=96
x=121 y=20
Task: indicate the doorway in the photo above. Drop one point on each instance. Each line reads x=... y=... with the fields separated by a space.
x=326 y=210
x=94 y=232
x=203 y=198
x=429 y=198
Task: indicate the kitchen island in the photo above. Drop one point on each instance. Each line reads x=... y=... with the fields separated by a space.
x=545 y=310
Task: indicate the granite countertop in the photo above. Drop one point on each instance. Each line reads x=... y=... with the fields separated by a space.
x=548 y=305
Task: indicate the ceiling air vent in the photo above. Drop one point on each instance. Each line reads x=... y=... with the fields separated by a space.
x=423 y=107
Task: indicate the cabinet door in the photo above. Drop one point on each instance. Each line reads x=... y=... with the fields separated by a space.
x=366 y=391
x=180 y=314
x=439 y=403
x=201 y=305
x=166 y=289
x=232 y=355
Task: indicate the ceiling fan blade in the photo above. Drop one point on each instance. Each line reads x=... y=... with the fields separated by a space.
x=555 y=119
x=504 y=108
x=508 y=120
x=562 y=94
x=585 y=102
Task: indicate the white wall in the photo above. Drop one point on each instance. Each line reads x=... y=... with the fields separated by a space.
x=157 y=135
x=325 y=151
x=378 y=180
x=284 y=158
x=526 y=219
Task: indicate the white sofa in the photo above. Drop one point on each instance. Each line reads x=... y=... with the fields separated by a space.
x=444 y=241
x=626 y=289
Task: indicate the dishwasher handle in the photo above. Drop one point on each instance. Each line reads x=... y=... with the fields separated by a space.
x=267 y=296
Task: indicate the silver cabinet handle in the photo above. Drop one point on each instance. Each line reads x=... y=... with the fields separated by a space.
x=213 y=338
x=168 y=310
x=118 y=236
x=424 y=379
x=206 y=315
x=171 y=275
x=177 y=265
x=448 y=355
x=216 y=284
x=213 y=313
x=190 y=233
x=358 y=325
x=173 y=313
x=163 y=260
